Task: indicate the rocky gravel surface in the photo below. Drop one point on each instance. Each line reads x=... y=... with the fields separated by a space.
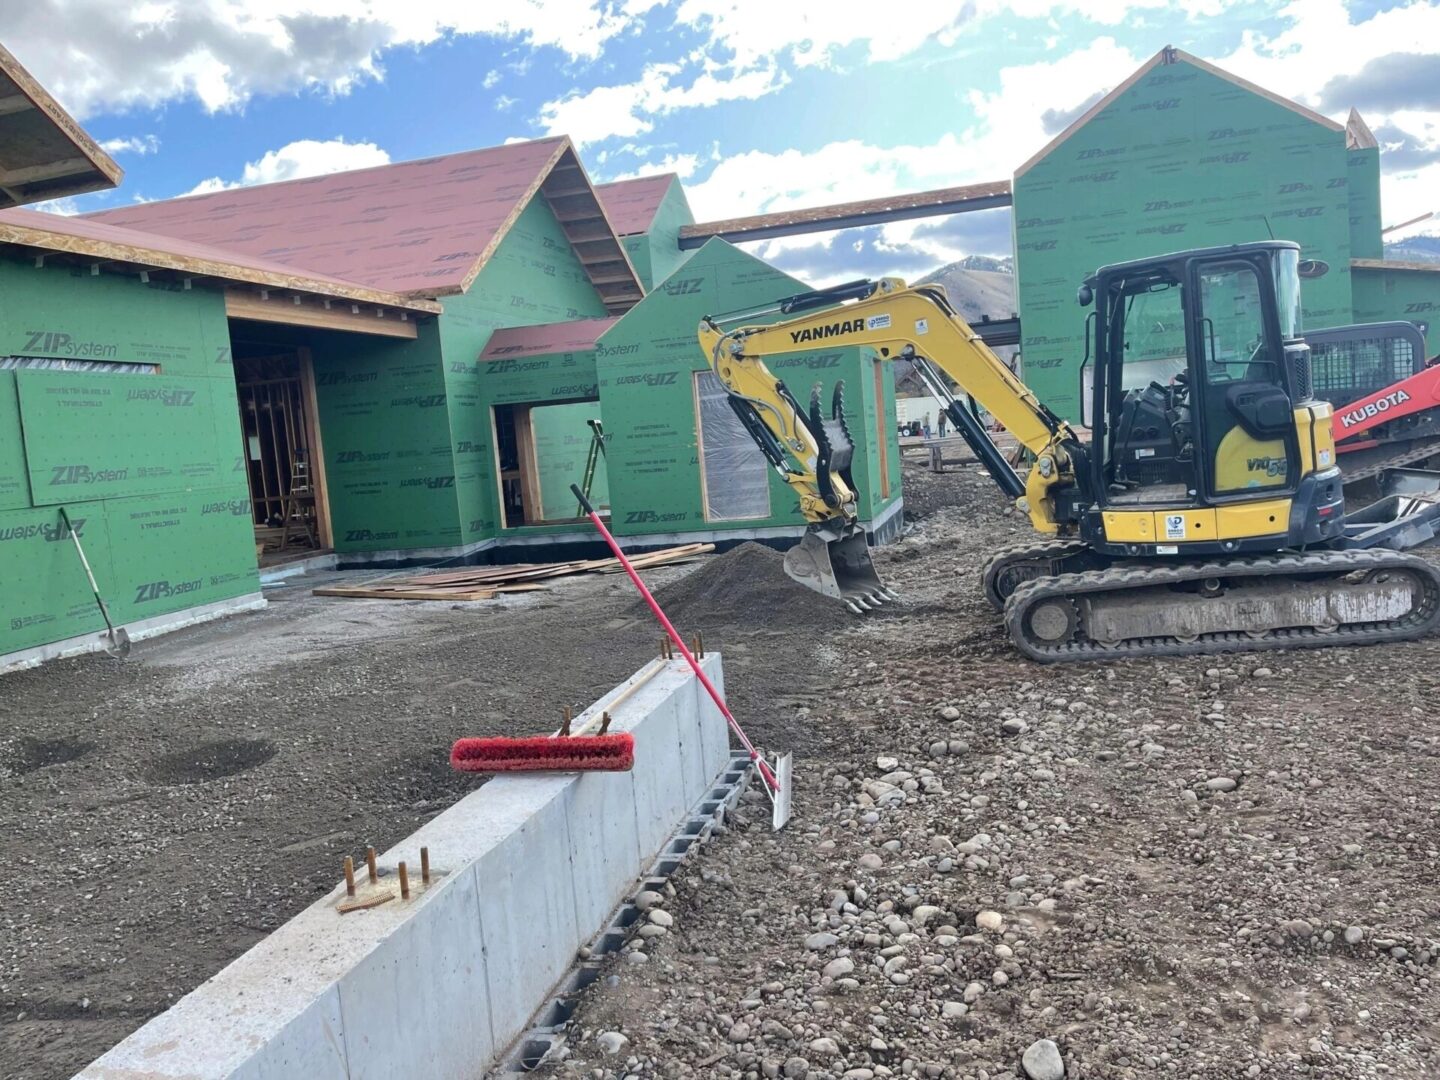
x=1201 y=868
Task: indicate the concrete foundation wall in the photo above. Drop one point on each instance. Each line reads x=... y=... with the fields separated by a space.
x=527 y=870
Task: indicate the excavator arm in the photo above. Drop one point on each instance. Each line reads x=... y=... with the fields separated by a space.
x=812 y=453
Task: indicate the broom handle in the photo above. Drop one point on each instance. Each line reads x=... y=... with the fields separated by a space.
x=765 y=772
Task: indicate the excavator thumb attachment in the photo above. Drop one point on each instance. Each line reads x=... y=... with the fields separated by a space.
x=834 y=560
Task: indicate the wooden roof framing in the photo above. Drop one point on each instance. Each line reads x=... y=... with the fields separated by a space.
x=917 y=204
x=44 y=153
x=586 y=225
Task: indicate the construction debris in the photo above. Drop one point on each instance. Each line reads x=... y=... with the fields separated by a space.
x=486 y=582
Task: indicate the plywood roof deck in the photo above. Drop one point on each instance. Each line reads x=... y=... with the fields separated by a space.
x=44 y=153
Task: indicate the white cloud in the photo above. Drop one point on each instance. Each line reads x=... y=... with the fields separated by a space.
x=305 y=157
x=1323 y=39
x=491 y=80
x=122 y=54
x=630 y=109
x=1009 y=127
x=682 y=165
x=133 y=144
x=504 y=103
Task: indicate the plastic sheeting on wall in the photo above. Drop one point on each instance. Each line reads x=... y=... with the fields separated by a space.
x=563 y=438
x=734 y=474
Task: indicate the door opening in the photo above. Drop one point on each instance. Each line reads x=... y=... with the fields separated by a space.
x=274 y=389
x=541 y=448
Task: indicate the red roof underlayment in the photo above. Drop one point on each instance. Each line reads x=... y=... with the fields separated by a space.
x=416 y=227
x=631 y=205
x=560 y=337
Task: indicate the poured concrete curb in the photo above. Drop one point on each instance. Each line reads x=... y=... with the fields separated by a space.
x=527 y=869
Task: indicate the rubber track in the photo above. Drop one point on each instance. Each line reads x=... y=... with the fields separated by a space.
x=1119 y=579
x=1036 y=549
x=1426 y=449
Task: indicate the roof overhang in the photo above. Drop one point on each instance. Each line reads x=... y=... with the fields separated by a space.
x=564 y=185
x=1396 y=264
x=268 y=294
x=917 y=204
x=44 y=153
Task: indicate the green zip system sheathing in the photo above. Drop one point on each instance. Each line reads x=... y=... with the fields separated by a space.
x=1409 y=295
x=656 y=253
x=1363 y=187
x=534 y=278
x=406 y=424
x=648 y=364
x=146 y=460
x=1183 y=158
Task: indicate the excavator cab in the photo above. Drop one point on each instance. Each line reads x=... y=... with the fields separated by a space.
x=1200 y=396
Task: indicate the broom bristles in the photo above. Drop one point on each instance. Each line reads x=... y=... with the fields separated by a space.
x=546 y=753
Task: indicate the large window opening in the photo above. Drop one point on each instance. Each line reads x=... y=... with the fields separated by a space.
x=541 y=449
x=734 y=479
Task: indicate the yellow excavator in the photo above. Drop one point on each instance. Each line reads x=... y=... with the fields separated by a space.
x=1205 y=512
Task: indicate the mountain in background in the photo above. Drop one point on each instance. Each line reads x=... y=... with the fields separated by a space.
x=1414 y=249
x=978 y=285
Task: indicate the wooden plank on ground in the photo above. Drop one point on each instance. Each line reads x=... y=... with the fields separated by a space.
x=484 y=582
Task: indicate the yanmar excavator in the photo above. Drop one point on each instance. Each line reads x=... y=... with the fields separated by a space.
x=1236 y=539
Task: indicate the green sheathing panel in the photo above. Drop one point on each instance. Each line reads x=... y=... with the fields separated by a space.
x=664 y=235
x=534 y=277
x=647 y=363
x=1182 y=159
x=563 y=438
x=14 y=481
x=145 y=464
x=108 y=435
x=71 y=314
x=637 y=246
x=1363 y=171
x=385 y=426
x=46 y=595
x=1408 y=295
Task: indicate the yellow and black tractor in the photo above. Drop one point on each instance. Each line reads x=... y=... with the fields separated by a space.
x=1204 y=513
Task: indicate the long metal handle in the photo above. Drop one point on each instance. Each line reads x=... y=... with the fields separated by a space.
x=94 y=587
x=771 y=783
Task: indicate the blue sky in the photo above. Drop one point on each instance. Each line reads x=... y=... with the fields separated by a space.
x=759 y=104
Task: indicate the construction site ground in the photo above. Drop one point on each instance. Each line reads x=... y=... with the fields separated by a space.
x=1217 y=867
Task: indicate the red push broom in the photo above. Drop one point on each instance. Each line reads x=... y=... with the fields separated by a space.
x=565 y=751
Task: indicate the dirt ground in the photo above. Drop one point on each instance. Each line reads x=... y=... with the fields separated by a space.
x=1217 y=868
x=165 y=813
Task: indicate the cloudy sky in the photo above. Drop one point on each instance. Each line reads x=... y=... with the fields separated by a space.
x=758 y=104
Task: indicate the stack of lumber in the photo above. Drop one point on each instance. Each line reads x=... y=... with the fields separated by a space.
x=486 y=582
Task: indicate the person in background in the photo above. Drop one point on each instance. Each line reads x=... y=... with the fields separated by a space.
x=940 y=424
x=925 y=426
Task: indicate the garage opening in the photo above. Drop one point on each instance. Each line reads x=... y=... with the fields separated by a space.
x=541 y=449
x=275 y=389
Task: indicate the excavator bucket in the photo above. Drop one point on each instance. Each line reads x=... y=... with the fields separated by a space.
x=835 y=561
